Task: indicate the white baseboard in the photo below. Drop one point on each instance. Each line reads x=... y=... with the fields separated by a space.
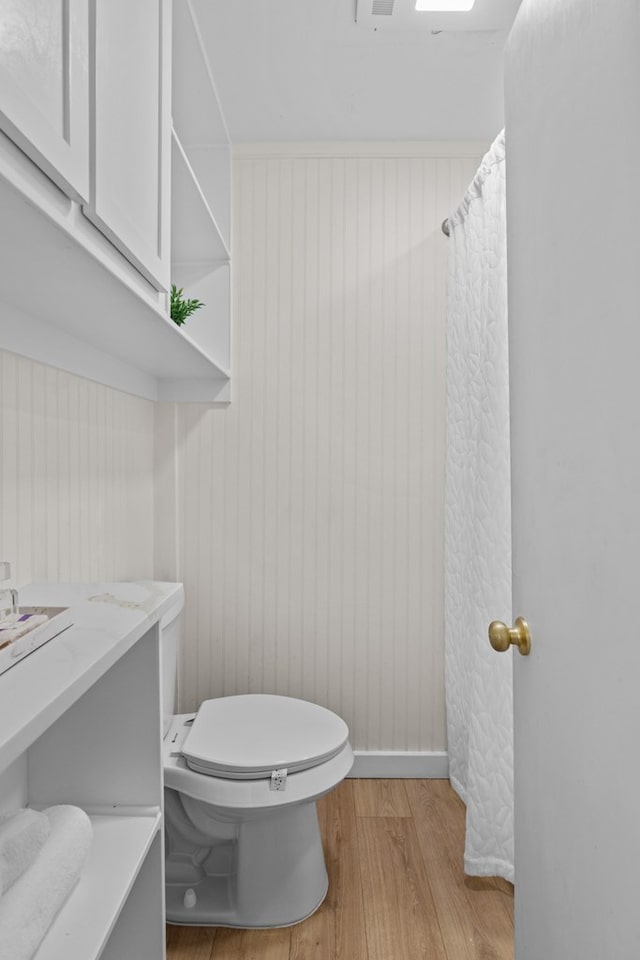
x=432 y=765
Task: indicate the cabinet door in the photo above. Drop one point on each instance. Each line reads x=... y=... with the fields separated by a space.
x=131 y=129
x=44 y=86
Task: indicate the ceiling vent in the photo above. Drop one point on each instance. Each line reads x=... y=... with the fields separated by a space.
x=401 y=16
x=382 y=8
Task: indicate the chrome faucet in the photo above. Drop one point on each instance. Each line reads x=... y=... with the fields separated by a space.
x=13 y=593
x=5 y=574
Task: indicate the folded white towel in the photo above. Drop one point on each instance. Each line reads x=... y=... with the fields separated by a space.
x=22 y=834
x=29 y=908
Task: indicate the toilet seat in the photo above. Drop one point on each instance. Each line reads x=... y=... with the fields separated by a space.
x=250 y=736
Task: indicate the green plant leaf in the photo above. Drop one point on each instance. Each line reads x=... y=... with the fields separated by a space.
x=179 y=307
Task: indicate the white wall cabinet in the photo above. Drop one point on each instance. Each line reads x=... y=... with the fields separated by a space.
x=81 y=724
x=44 y=86
x=130 y=128
x=85 y=92
x=86 y=197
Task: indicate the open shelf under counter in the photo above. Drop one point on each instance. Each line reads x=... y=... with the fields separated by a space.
x=72 y=301
x=82 y=725
x=86 y=921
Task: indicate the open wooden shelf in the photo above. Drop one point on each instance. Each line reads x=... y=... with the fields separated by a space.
x=195 y=232
x=201 y=192
x=197 y=113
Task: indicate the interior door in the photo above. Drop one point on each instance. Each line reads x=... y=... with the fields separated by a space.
x=573 y=201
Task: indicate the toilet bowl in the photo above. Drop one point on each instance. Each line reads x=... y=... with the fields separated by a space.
x=241 y=777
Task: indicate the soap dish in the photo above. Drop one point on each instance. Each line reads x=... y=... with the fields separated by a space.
x=59 y=619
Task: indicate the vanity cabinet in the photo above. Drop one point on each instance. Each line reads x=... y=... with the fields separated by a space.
x=44 y=86
x=81 y=724
x=130 y=121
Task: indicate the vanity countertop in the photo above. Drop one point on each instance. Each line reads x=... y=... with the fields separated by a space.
x=108 y=619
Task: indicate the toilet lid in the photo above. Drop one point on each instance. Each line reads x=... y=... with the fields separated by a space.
x=248 y=737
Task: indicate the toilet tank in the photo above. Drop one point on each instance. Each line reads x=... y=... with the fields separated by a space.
x=169 y=645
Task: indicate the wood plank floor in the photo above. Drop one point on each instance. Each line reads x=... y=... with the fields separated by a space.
x=396 y=887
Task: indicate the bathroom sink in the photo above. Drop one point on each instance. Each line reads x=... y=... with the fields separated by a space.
x=14 y=650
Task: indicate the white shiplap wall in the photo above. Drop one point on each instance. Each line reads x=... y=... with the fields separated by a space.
x=309 y=519
x=76 y=475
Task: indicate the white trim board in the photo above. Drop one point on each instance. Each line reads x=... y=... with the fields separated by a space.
x=402 y=765
x=428 y=149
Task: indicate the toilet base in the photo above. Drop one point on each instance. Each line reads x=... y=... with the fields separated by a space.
x=264 y=872
x=209 y=892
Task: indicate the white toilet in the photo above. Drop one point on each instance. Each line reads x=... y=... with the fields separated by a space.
x=241 y=778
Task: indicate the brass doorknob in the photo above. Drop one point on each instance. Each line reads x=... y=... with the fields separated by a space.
x=501 y=636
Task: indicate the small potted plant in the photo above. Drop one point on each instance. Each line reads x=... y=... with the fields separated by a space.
x=180 y=307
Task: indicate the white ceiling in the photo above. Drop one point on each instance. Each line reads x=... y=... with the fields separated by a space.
x=306 y=70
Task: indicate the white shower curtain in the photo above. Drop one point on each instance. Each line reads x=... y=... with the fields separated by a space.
x=478 y=521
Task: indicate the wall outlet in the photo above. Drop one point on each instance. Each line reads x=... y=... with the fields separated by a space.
x=5 y=571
